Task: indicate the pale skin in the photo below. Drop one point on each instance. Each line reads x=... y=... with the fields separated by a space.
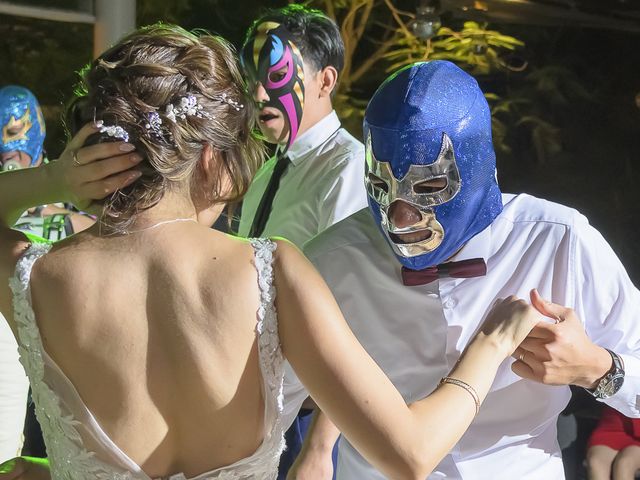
x=183 y=318
x=553 y=354
x=604 y=463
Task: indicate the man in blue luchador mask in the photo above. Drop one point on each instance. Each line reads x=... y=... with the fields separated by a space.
x=292 y=59
x=23 y=129
x=417 y=271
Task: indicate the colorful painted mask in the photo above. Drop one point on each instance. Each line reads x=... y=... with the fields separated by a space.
x=22 y=124
x=272 y=58
x=430 y=122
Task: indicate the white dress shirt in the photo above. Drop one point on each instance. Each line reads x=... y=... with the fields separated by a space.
x=323 y=184
x=14 y=387
x=416 y=334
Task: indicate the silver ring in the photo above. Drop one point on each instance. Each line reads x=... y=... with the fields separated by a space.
x=521 y=357
x=74 y=155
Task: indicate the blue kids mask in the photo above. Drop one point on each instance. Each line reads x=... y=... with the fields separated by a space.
x=21 y=121
x=430 y=122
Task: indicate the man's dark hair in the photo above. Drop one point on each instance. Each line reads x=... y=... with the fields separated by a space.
x=316 y=35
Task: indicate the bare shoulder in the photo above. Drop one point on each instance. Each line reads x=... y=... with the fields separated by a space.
x=288 y=258
x=12 y=245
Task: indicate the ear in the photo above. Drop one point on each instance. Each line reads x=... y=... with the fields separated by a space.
x=208 y=163
x=328 y=81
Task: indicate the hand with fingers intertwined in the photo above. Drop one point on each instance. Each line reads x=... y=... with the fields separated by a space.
x=560 y=352
x=509 y=322
x=85 y=174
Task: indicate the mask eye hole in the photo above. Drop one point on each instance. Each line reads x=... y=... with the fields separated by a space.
x=278 y=75
x=15 y=128
x=433 y=185
x=377 y=182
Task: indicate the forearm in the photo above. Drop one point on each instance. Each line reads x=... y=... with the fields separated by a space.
x=321 y=436
x=26 y=188
x=442 y=418
x=315 y=460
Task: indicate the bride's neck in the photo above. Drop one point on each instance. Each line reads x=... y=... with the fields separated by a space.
x=172 y=206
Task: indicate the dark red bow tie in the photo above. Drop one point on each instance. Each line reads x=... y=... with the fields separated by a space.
x=473 y=267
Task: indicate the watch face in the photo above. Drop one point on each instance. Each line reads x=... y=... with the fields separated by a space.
x=611 y=386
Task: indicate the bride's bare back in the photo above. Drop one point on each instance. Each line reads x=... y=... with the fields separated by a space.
x=157 y=334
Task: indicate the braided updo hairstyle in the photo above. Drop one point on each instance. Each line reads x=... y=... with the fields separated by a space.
x=157 y=66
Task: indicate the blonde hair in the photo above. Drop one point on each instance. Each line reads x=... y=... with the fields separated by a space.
x=150 y=69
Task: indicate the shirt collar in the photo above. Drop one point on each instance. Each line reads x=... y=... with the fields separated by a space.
x=313 y=138
x=477 y=247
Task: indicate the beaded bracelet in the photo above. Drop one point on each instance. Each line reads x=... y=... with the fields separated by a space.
x=466 y=386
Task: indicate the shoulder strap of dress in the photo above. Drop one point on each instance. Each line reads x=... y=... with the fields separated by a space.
x=19 y=283
x=263 y=249
x=29 y=341
x=270 y=353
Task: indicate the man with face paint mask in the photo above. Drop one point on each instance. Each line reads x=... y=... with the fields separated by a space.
x=417 y=271
x=292 y=58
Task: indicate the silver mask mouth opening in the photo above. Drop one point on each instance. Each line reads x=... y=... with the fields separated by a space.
x=408 y=238
x=417 y=239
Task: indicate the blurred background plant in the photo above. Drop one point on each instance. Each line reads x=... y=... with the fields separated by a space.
x=566 y=121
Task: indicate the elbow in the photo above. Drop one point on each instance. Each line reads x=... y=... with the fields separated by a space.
x=412 y=466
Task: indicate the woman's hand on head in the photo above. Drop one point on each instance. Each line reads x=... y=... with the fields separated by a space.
x=509 y=322
x=88 y=173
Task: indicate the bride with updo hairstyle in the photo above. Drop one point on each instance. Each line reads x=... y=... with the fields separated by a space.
x=155 y=346
x=135 y=84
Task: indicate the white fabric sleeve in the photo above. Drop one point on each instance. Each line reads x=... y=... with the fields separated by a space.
x=346 y=194
x=609 y=305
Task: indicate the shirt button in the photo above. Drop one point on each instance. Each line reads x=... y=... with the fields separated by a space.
x=449 y=303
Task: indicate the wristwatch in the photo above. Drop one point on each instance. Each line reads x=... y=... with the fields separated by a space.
x=612 y=380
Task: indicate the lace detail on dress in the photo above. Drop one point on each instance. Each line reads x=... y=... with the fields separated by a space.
x=271 y=358
x=68 y=459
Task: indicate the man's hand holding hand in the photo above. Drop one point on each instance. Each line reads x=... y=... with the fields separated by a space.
x=560 y=353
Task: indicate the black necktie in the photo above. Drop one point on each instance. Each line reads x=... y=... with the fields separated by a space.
x=264 y=207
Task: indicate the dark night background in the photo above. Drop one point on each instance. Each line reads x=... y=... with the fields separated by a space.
x=583 y=83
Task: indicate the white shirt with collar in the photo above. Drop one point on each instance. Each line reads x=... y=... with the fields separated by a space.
x=416 y=334
x=323 y=184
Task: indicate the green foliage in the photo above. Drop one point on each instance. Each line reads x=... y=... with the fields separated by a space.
x=44 y=56
x=169 y=11
x=474 y=48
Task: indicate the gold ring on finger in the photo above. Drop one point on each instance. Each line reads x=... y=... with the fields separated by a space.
x=74 y=155
x=521 y=357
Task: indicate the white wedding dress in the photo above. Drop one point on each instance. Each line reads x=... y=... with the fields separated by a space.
x=79 y=449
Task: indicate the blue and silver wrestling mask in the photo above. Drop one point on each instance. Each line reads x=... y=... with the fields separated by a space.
x=22 y=124
x=429 y=124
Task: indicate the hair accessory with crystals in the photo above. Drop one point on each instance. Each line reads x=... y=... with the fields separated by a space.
x=115 y=131
x=154 y=124
x=185 y=106
x=231 y=102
